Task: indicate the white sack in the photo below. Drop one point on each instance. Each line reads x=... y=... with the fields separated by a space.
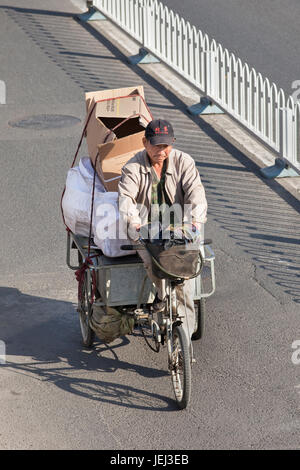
x=108 y=235
x=76 y=203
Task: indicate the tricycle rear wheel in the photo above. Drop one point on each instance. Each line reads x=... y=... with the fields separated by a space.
x=200 y=319
x=85 y=310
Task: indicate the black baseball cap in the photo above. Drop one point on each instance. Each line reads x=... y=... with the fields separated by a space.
x=159 y=132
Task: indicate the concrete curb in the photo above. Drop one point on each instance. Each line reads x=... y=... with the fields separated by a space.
x=223 y=124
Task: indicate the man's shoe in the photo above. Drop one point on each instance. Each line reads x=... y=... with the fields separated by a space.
x=158 y=304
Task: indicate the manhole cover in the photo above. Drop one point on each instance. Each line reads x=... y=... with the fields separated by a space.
x=45 y=121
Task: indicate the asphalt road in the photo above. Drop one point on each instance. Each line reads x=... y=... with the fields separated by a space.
x=54 y=393
x=263 y=33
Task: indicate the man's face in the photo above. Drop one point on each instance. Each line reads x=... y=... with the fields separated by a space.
x=157 y=153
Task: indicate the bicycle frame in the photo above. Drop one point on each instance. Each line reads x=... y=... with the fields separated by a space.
x=169 y=319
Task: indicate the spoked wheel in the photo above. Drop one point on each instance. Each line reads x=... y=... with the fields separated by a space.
x=180 y=366
x=85 y=313
x=200 y=319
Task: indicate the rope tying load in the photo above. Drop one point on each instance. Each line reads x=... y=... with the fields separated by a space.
x=80 y=275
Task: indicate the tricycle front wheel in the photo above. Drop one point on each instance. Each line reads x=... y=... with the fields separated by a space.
x=180 y=366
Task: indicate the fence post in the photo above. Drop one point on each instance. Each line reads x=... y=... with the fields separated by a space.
x=2 y=92
x=205 y=63
x=281 y=121
x=143 y=5
x=148 y=23
x=298 y=134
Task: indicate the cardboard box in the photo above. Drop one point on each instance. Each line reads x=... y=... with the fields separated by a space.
x=114 y=155
x=117 y=121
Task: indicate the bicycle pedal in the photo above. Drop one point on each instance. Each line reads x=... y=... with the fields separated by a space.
x=143 y=316
x=140 y=314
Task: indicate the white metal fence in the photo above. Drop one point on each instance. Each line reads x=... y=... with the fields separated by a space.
x=242 y=92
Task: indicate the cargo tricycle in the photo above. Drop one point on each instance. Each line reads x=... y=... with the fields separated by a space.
x=122 y=283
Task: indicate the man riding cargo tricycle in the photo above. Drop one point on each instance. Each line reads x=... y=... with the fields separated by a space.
x=159 y=289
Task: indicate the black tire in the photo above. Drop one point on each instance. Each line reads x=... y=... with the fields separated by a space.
x=200 y=319
x=180 y=366
x=150 y=339
x=85 y=312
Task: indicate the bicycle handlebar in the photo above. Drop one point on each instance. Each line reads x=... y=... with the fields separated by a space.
x=207 y=241
x=130 y=247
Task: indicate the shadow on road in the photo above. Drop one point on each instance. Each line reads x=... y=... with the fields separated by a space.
x=264 y=228
x=42 y=338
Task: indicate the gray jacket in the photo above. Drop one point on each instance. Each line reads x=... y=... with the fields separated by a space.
x=182 y=184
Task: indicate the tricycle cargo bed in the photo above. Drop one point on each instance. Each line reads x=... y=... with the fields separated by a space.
x=119 y=280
